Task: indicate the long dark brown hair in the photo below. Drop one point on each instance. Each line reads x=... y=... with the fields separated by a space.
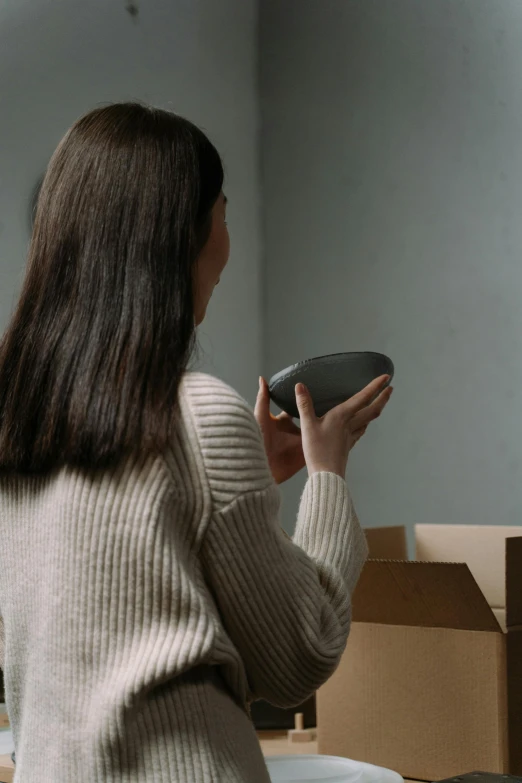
x=91 y=361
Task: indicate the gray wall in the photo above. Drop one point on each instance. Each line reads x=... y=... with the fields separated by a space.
x=197 y=57
x=392 y=190
x=392 y=149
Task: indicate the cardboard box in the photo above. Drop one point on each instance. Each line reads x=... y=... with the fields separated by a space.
x=430 y=685
x=6 y=769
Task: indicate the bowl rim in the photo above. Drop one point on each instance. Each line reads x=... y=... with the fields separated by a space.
x=294 y=368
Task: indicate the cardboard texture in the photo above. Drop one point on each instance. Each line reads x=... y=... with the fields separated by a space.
x=430 y=684
x=387 y=543
x=6 y=770
x=402 y=593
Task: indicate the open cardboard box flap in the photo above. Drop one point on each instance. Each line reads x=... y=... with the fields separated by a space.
x=430 y=595
x=438 y=586
x=513 y=583
x=482 y=547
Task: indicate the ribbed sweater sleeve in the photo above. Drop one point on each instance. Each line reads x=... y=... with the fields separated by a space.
x=286 y=604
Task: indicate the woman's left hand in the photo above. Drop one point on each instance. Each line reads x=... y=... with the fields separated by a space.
x=282 y=438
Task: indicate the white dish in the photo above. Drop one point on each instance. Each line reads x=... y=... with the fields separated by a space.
x=326 y=769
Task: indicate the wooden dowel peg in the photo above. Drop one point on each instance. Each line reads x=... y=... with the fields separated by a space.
x=299 y=733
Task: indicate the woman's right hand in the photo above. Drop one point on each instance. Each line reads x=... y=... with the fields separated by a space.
x=327 y=441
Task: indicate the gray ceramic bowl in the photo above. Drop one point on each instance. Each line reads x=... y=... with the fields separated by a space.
x=331 y=379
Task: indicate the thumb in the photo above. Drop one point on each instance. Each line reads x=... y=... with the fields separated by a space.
x=304 y=403
x=262 y=409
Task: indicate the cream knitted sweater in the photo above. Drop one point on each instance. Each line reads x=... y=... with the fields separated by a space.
x=144 y=607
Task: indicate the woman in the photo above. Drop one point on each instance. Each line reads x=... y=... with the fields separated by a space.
x=146 y=590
